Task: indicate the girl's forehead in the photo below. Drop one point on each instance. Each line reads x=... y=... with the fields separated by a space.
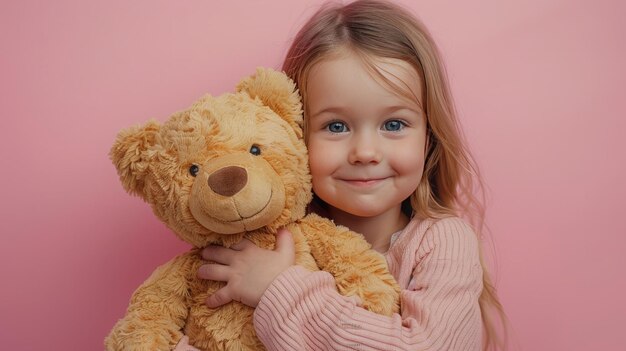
x=332 y=76
x=367 y=61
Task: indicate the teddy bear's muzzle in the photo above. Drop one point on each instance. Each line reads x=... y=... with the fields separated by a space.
x=236 y=193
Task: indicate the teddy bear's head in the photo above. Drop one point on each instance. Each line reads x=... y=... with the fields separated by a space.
x=225 y=166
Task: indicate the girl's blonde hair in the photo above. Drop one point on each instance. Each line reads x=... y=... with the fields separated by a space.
x=451 y=180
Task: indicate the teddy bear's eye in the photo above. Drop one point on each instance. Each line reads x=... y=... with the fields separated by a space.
x=255 y=150
x=193 y=170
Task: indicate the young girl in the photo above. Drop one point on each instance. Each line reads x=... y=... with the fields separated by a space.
x=387 y=160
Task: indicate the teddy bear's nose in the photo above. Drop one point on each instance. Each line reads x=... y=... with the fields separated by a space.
x=228 y=180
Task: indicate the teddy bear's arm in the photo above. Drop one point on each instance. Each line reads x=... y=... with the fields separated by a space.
x=157 y=310
x=358 y=270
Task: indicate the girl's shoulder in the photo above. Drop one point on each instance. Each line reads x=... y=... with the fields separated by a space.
x=424 y=235
x=449 y=239
x=417 y=228
x=452 y=225
x=450 y=234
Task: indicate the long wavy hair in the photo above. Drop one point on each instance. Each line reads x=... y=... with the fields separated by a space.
x=451 y=184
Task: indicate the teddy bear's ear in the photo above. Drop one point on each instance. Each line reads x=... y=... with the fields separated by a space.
x=130 y=155
x=276 y=91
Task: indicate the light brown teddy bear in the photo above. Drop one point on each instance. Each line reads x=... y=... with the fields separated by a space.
x=228 y=168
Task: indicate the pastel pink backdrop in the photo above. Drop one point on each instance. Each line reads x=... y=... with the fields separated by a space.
x=539 y=86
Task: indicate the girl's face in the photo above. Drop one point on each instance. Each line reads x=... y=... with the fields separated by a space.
x=366 y=143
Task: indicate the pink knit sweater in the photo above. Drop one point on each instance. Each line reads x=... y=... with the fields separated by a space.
x=437 y=266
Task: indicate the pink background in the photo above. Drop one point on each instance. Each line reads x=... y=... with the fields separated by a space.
x=539 y=86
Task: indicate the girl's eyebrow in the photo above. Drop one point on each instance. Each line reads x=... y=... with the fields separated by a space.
x=388 y=109
x=396 y=108
x=332 y=109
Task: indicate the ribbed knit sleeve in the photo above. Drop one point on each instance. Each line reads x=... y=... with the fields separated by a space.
x=436 y=264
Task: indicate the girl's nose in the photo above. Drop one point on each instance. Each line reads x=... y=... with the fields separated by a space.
x=365 y=149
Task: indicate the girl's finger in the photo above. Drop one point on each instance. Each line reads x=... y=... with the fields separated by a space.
x=216 y=272
x=218 y=254
x=243 y=244
x=285 y=243
x=219 y=298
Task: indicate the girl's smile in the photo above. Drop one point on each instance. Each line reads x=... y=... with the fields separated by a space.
x=364 y=183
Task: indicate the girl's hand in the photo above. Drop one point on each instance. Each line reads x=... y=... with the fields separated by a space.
x=183 y=345
x=247 y=269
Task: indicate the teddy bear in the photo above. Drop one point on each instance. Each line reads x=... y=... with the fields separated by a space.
x=227 y=168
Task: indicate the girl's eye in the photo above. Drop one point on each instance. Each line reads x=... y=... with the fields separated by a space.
x=255 y=150
x=193 y=170
x=394 y=125
x=337 y=127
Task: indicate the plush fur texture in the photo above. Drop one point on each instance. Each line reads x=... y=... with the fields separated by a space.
x=226 y=168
